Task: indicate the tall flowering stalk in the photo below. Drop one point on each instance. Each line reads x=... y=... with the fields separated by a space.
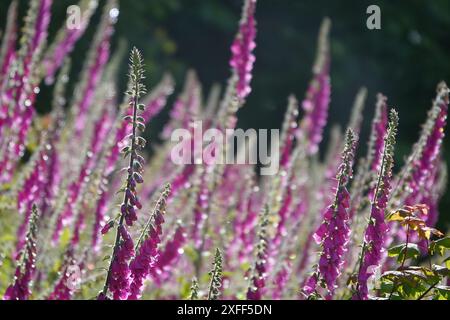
x=17 y=103
x=23 y=277
x=147 y=249
x=66 y=39
x=334 y=232
x=53 y=172
x=216 y=277
x=288 y=132
x=242 y=59
x=187 y=106
x=316 y=103
x=101 y=128
x=93 y=69
x=118 y=271
x=419 y=164
x=8 y=45
x=153 y=105
x=375 y=235
x=258 y=273
x=31 y=192
x=371 y=165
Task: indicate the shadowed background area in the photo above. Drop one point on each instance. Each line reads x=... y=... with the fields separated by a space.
x=404 y=60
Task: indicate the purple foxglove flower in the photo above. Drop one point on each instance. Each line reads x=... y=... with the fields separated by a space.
x=120 y=279
x=334 y=232
x=368 y=171
x=66 y=39
x=288 y=132
x=100 y=130
x=280 y=281
x=24 y=274
x=379 y=129
x=157 y=99
x=62 y=289
x=78 y=228
x=22 y=88
x=200 y=214
x=242 y=58
x=169 y=255
x=419 y=164
x=94 y=67
x=316 y=103
x=375 y=234
x=186 y=108
x=35 y=186
x=7 y=51
x=145 y=261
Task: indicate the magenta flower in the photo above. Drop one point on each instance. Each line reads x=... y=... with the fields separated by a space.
x=101 y=129
x=145 y=261
x=143 y=264
x=120 y=278
x=169 y=255
x=364 y=184
x=22 y=88
x=37 y=187
x=316 y=103
x=99 y=225
x=334 y=232
x=288 y=133
x=420 y=163
x=419 y=166
x=434 y=141
x=7 y=52
x=63 y=289
x=379 y=129
x=94 y=67
x=375 y=235
x=66 y=40
x=23 y=277
x=280 y=280
x=242 y=59
x=186 y=107
x=117 y=279
x=200 y=214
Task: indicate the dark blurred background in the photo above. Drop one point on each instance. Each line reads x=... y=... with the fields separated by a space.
x=404 y=60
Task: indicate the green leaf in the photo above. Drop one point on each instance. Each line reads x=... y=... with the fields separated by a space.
x=440 y=246
x=442 y=293
x=412 y=251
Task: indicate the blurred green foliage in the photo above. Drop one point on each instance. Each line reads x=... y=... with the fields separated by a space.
x=404 y=60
